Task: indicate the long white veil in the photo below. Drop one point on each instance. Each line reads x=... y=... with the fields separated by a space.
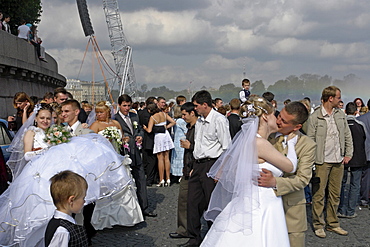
x=236 y=171
x=16 y=160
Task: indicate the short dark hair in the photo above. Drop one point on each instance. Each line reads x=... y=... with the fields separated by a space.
x=307 y=98
x=298 y=110
x=150 y=100
x=201 y=97
x=189 y=107
x=153 y=108
x=159 y=98
x=48 y=95
x=245 y=81
x=180 y=98
x=124 y=98
x=217 y=99
x=351 y=108
x=59 y=90
x=268 y=96
x=74 y=103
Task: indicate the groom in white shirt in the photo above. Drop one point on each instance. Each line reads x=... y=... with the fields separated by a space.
x=70 y=111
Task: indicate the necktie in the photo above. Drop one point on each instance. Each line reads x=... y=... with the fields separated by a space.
x=129 y=124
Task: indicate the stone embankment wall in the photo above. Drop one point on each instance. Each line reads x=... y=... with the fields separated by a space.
x=21 y=70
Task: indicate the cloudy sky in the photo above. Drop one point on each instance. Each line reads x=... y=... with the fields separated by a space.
x=212 y=42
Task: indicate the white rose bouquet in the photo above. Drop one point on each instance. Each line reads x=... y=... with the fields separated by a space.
x=113 y=134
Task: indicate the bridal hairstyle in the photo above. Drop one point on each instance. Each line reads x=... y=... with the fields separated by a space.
x=65 y=184
x=256 y=106
x=42 y=107
x=102 y=105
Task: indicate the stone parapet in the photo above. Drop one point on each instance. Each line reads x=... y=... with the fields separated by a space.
x=21 y=70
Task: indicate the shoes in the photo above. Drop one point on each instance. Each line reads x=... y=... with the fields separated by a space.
x=176 y=235
x=168 y=182
x=352 y=216
x=149 y=214
x=188 y=244
x=320 y=233
x=337 y=230
x=161 y=184
x=342 y=215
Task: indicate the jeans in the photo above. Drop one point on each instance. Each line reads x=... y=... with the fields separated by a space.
x=349 y=196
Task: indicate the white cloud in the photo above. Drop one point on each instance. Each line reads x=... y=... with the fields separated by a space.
x=212 y=43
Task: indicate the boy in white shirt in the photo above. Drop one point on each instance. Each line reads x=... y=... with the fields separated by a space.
x=68 y=190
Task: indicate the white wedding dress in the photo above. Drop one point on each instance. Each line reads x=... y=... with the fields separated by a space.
x=268 y=221
x=26 y=206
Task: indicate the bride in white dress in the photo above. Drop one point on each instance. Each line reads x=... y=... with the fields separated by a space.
x=26 y=206
x=243 y=213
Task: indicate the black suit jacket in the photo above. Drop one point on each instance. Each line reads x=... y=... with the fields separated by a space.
x=235 y=124
x=138 y=131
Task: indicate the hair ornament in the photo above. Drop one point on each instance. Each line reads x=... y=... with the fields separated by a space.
x=244 y=114
x=37 y=108
x=263 y=109
x=107 y=103
x=251 y=108
x=260 y=99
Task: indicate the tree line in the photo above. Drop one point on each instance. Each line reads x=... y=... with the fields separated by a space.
x=293 y=87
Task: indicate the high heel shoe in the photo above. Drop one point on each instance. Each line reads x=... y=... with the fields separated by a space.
x=161 y=184
x=168 y=182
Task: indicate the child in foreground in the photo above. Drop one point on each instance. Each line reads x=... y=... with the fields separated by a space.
x=68 y=190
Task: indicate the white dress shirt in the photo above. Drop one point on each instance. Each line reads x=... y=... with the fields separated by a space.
x=61 y=235
x=74 y=126
x=212 y=136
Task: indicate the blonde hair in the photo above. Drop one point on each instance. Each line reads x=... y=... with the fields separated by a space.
x=66 y=184
x=177 y=112
x=256 y=106
x=102 y=105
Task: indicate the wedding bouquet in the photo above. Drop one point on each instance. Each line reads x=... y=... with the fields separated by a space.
x=57 y=134
x=113 y=134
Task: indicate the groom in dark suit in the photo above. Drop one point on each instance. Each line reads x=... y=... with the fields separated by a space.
x=130 y=126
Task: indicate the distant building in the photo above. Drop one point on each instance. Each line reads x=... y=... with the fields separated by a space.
x=84 y=90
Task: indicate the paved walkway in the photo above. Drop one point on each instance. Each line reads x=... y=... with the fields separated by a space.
x=154 y=231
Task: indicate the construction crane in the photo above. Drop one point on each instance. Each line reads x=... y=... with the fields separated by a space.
x=121 y=51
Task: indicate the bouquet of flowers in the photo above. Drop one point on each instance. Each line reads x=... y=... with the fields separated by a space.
x=57 y=134
x=114 y=136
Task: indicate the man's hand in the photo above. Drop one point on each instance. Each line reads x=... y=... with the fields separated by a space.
x=191 y=172
x=185 y=144
x=346 y=160
x=266 y=179
x=139 y=139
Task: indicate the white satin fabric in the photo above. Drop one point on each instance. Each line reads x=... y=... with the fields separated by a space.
x=26 y=206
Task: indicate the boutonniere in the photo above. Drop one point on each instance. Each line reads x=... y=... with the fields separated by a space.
x=135 y=124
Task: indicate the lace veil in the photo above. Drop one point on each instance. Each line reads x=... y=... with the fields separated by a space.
x=236 y=190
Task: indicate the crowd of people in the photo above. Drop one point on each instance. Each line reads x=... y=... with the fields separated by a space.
x=25 y=31
x=246 y=168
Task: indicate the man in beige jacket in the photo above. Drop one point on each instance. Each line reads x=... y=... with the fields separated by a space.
x=291 y=185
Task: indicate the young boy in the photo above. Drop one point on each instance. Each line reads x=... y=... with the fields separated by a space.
x=68 y=190
x=244 y=93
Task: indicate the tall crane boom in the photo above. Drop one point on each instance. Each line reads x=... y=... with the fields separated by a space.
x=121 y=51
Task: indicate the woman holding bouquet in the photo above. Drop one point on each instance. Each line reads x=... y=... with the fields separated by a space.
x=107 y=127
x=26 y=206
x=30 y=139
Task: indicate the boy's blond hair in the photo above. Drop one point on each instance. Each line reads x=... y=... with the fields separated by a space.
x=66 y=184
